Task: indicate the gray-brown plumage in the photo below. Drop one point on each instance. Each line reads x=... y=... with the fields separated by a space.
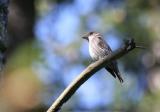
x=98 y=49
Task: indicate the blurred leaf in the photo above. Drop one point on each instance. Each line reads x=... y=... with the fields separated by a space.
x=24 y=56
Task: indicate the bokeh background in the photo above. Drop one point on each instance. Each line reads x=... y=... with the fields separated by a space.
x=46 y=52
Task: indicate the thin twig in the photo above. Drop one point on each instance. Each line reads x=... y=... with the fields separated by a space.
x=87 y=73
x=141 y=47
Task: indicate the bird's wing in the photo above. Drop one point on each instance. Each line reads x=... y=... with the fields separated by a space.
x=103 y=45
x=113 y=69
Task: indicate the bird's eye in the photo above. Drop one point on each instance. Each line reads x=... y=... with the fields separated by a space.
x=90 y=33
x=100 y=38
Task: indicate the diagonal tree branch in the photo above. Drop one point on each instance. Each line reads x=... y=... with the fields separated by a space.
x=87 y=73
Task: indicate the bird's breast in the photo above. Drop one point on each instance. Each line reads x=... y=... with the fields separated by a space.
x=98 y=48
x=92 y=53
x=96 y=52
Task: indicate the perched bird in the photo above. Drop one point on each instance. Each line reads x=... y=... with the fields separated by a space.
x=98 y=49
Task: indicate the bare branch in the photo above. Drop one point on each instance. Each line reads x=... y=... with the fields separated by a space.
x=87 y=73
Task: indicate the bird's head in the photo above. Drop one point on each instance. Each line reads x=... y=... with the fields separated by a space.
x=90 y=35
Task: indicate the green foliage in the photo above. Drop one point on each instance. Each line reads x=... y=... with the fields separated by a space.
x=24 y=56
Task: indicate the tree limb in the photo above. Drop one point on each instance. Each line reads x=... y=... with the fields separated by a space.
x=88 y=72
x=3 y=30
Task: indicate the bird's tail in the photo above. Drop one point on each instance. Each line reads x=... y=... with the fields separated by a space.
x=119 y=77
x=115 y=73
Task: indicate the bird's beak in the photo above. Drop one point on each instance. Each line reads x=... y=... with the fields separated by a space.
x=85 y=37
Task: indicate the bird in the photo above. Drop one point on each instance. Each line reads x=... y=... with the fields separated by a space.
x=98 y=49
